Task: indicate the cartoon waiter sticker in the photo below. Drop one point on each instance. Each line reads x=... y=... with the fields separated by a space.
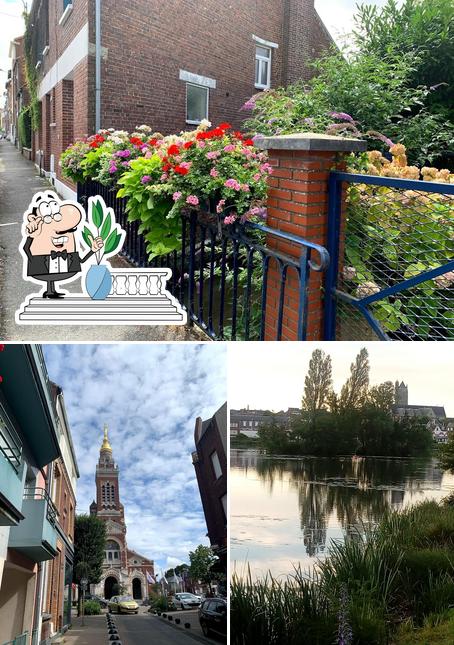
x=50 y=247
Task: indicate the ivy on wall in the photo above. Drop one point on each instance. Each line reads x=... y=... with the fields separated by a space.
x=31 y=75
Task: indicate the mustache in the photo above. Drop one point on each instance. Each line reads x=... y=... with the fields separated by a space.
x=68 y=230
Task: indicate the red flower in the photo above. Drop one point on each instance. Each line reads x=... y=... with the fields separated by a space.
x=248 y=142
x=166 y=167
x=94 y=144
x=152 y=142
x=136 y=141
x=238 y=135
x=202 y=135
x=224 y=126
x=188 y=144
x=2 y=347
x=173 y=149
x=181 y=170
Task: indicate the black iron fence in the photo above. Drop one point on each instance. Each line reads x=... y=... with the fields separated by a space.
x=229 y=278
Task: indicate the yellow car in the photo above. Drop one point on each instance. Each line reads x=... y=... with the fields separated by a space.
x=123 y=605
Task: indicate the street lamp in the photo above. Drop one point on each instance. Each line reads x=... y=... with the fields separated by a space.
x=83 y=584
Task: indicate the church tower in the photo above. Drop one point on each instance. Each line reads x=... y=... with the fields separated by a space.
x=124 y=571
x=401 y=394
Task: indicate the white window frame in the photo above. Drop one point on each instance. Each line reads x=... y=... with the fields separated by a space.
x=263 y=60
x=216 y=464
x=207 y=89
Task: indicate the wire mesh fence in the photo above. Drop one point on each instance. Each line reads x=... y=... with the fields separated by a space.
x=395 y=270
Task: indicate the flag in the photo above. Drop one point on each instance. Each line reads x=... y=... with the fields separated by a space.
x=150 y=578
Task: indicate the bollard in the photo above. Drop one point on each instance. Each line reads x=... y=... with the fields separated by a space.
x=164 y=615
x=178 y=621
x=114 y=637
x=170 y=617
x=187 y=625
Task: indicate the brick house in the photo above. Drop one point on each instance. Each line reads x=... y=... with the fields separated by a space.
x=116 y=64
x=210 y=464
x=17 y=87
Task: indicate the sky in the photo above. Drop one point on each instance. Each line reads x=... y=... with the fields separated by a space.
x=336 y=14
x=149 y=396
x=274 y=379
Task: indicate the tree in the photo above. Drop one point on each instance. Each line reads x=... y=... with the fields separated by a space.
x=202 y=559
x=382 y=396
x=273 y=437
x=447 y=454
x=354 y=391
x=89 y=548
x=422 y=28
x=318 y=382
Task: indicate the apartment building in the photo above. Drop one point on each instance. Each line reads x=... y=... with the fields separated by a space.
x=36 y=509
x=170 y=65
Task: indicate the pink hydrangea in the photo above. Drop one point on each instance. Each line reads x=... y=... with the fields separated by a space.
x=164 y=176
x=201 y=144
x=186 y=164
x=220 y=206
x=145 y=179
x=230 y=219
x=229 y=148
x=257 y=177
x=232 y=183
x=193 y=200
x=176 y=196
x=266 y=167
x=113 y=168
x=213 y=154
x=245 y=188
x=214 y=172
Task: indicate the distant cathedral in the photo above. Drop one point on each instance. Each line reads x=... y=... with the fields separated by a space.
x=124 y=571
x=401 y=407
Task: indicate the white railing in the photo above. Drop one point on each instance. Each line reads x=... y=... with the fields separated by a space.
x=139 y=282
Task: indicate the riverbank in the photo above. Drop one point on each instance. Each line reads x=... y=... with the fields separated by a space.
x=395 y=585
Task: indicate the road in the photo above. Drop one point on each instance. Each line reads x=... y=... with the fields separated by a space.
x=145 y=629
x=19 y=181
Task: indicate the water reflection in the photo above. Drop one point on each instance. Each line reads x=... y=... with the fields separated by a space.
x=287 y=510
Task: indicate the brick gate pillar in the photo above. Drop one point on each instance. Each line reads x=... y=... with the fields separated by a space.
x=298 y=204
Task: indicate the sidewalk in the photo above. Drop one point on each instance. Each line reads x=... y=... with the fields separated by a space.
x=94 y=632
x=19 y=180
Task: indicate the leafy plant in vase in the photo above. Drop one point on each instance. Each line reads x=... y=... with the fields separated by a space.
x=98 y=279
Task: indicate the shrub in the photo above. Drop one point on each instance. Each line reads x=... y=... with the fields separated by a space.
x=92 y=608
x=24 y=128
x=160 y=603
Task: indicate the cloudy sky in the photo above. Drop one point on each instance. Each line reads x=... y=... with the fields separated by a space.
x=149 y=396
x=275 y=379
x=336 y=14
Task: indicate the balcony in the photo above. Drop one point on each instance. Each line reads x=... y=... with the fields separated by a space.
x=36 y=535
x=12 y=472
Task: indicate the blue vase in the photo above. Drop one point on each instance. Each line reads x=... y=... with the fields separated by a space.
x=98 y=282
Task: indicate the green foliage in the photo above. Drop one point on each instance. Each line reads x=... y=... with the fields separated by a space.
x=423 y=28
x=150 y=207
x=395 y=585
x=92 y=608
x=31 y=76
x=160 y=603
x=24 y=127
x=318 y=382
x=202 y=560
x=102 y=220
x=447 y=454
x=89 y=547
x=365 y=93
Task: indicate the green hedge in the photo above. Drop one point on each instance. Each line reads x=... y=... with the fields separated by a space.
x=24 y=128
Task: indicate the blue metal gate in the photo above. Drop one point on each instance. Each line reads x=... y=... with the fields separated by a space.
x=227 y=277
x=391 y=244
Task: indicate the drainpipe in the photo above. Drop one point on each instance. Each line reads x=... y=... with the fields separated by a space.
x=97 y=65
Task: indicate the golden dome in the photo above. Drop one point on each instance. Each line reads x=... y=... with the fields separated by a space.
x=105 y=444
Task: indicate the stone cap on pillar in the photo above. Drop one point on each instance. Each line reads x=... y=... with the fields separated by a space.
x=310 y=141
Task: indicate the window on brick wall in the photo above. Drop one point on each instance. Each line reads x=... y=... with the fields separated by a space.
x=66 y=3
x=216 y=464
x=262 y=67
x=196 y=103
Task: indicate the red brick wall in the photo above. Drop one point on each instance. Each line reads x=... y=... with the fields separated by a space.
x=147 y=48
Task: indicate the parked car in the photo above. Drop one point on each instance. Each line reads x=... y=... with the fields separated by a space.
x=213 y=616
x=123 y=605
x=186 y=600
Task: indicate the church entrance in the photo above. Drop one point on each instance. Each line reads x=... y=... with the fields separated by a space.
x=137 y=589
x=110 y=586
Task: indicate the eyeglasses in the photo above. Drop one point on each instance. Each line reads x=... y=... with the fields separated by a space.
x=49 y=211
x=48 y=218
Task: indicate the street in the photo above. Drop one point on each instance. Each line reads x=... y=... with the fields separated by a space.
x=19 y=180
x=147 y=628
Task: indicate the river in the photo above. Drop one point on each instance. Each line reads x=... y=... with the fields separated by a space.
x=286 y=511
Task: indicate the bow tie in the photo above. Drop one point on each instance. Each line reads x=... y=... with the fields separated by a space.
x=59 y=254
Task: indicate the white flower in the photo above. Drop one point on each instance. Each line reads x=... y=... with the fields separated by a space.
x=143 y=128
x=204 y=124
x=367 y=289
x=349 y=273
